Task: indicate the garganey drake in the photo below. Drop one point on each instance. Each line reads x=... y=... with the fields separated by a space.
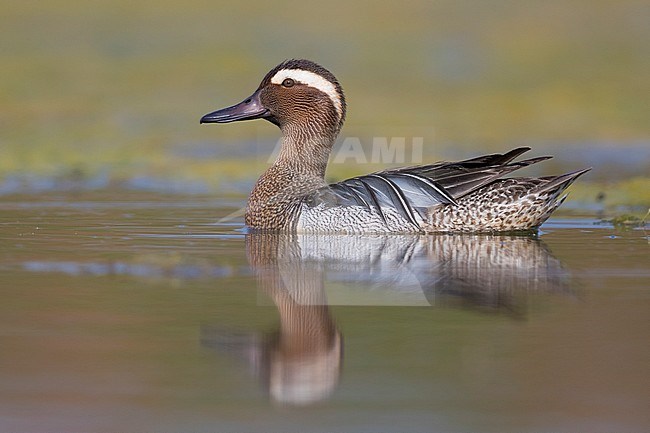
x=307 y=103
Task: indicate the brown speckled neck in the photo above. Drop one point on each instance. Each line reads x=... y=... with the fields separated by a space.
x=298 y=170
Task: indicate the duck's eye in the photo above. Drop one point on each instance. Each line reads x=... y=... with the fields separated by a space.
x=288 y=82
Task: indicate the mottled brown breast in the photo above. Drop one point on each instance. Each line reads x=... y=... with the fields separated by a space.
x=275 y=201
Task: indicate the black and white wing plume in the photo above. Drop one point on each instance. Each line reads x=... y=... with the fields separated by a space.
x=413 y=191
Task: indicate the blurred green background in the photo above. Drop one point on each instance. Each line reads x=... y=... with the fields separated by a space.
x=107 y=94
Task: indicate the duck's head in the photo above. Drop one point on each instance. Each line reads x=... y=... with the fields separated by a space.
x=296 y=95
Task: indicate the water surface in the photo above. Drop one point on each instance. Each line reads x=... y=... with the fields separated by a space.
x=131 y=312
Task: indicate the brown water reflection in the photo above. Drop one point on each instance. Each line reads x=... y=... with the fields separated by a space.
x=124 y=313
x=300 y=362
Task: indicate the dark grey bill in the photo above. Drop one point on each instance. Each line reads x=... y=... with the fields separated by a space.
x=250 y=108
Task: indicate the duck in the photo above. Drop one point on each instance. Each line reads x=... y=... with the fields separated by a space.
x=307 y=103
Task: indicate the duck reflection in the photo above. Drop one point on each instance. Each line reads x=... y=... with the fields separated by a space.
x=300 y=361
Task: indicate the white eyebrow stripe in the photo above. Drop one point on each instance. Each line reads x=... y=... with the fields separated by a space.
x=311 y=79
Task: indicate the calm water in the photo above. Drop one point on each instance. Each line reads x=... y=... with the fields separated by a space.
x=124 y=313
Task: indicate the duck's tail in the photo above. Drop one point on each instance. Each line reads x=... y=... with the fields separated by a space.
x=554 y=185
